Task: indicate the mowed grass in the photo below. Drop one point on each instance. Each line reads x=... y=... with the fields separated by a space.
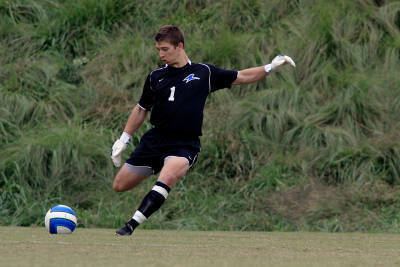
x=20 y=246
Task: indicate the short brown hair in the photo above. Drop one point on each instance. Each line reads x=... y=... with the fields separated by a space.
x=171 y=34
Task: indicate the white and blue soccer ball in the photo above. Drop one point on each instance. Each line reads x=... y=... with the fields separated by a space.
x=60 y=219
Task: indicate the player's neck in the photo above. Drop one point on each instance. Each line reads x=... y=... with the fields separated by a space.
x=182 y=61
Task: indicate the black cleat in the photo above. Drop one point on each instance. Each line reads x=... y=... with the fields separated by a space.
x=125 y=230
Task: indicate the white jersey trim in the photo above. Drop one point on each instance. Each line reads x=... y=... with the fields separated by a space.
x=209 y=76
x=141 y=107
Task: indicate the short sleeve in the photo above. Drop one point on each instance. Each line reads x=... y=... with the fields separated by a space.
x=221 y=78
x=148 y=96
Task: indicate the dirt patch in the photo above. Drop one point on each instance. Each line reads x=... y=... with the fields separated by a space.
x=302 y=201
x=351 y=207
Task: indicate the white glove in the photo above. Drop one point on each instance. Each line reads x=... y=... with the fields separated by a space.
x=279 y=60
x=118 y=147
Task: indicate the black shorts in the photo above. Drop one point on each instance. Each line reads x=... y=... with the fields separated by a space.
x=155 y=146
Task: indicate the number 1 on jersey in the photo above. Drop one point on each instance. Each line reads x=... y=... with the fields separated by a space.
x=171 y=96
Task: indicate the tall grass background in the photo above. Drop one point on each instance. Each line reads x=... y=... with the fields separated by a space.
x=312 y=148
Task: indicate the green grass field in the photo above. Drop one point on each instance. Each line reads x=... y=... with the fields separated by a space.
x=99 y=247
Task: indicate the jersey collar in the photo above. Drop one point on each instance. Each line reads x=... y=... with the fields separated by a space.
x=189 y=63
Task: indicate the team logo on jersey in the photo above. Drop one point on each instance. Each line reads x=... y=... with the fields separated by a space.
x=190 y=77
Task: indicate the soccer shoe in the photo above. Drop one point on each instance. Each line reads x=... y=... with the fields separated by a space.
x=127 y=229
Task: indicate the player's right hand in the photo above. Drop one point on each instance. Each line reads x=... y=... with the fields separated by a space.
x=118 y=147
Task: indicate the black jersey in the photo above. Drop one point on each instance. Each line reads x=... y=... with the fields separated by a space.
x=176 y=96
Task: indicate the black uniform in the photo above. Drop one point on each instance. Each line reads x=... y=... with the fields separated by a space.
x=176 y=98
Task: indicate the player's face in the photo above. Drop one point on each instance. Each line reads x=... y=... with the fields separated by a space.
x=168 y=52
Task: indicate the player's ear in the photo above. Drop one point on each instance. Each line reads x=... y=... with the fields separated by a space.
x=181 y=45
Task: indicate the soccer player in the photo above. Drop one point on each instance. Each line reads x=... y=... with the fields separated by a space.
x=175 y=95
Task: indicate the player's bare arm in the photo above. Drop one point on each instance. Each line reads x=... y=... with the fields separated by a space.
x=250 y=75
x=255 y=74
x=135 y=120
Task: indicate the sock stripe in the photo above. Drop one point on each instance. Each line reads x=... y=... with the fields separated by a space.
x=160 y=190
x=166 y=187
x=139 y=217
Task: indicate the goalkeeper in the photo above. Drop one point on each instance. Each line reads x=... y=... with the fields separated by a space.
x=175 y=95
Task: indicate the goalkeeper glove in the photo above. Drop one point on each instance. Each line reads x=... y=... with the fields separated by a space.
x=279 y=60
x=118 y=147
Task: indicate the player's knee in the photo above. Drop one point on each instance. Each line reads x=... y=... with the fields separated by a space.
x=118 y=185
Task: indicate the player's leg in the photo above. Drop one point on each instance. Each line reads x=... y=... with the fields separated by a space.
x=173 y=170
x=138 y=166
x=130 y=176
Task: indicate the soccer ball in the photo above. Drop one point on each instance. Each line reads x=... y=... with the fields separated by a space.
x=60 y=219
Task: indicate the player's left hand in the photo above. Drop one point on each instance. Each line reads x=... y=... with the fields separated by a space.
x=278 y=61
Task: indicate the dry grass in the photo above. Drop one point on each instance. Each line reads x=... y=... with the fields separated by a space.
x=99 y=247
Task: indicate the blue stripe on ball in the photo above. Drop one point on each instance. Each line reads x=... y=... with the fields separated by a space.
x=61 y=222
x=60 y=208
